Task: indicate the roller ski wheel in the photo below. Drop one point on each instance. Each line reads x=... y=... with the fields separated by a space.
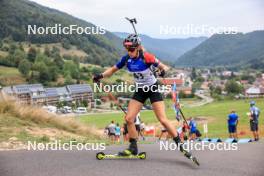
x=142 y=155
x=100 y=156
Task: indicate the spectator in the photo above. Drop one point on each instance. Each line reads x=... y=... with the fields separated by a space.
x=164 y=131
x=193 y=129
x=232 y=121
x=117 y=132
x=253 y=119
x=112 y=131
x=185 y=129
x=142 y=130
x=125 y=132
x=137 y=123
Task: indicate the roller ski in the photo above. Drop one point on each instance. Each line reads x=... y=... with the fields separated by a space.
x=190 y=157
x=187 y=154
x=130 y=153
x=101 y=156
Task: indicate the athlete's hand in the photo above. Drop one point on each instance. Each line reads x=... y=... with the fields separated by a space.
x=97 y=78
x=162 y=73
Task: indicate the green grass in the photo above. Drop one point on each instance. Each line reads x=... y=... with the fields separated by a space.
x=10 y=76
x=100 y=120
x=9 y=71
x=216 y=113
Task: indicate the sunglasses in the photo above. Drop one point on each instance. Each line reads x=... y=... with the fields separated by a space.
x=131 y=49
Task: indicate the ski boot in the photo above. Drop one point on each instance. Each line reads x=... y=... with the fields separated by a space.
x=132 y=149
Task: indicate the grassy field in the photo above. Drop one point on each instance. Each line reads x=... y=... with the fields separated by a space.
x=10 y=75
x=215 y=114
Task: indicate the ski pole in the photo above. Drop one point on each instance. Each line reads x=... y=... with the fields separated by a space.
x=183 y=117
x=179 y=108
x=133 y=21
x=113 y=98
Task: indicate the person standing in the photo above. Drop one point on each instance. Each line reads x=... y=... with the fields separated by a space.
x=193 y=128
x=112 y=128
x=125 y=132
x=164 y=131
x=253 y=119
x=117 y=132
x=232 y=121
x=142 y=130
x=137 y=123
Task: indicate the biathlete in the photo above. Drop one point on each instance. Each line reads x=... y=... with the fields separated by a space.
x=140 y=64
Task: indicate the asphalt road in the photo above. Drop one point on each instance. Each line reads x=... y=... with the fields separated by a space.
x=248 y=160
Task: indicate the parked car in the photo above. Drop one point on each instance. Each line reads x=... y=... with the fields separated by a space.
x=67 y=109
x=81 y=110
x=52 y=109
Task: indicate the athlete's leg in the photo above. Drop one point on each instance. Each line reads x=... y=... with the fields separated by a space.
x=257 y=133
x=159 y=109
x=134 y=107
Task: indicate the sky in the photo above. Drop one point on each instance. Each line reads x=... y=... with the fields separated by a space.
x=167 y=18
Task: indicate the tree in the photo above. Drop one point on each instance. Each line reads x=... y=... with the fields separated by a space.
x=47 y=51
x=12 y=48
x=66 y=44
x=58 y=61
x=193 y=74
x=55 y=50
x=24 y=67
x=18 y=56
x=32 y=53
x=68 y=79
x=72 y=68
x=218 y=90
x=199 y=79
x=44 y=74
x=54 y=71
x=232 y=87
x=85 y=103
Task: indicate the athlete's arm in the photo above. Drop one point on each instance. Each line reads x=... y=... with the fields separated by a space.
x=162 y=66
x=110 y=71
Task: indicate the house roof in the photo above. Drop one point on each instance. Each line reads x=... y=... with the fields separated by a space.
x=170 y=81
x=38 y=91
x=56 y=91
x=51 y=92
x=28 y=88
x=253 y=90
x=79 y=88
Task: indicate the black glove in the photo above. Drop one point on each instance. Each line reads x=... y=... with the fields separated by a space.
x=97 y=77
x=162 y=73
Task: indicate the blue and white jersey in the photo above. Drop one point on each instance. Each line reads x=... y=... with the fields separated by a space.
x=140 y=67
x=254 y=111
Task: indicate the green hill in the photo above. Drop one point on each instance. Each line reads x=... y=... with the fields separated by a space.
x=16 y=15
x=234 y=50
